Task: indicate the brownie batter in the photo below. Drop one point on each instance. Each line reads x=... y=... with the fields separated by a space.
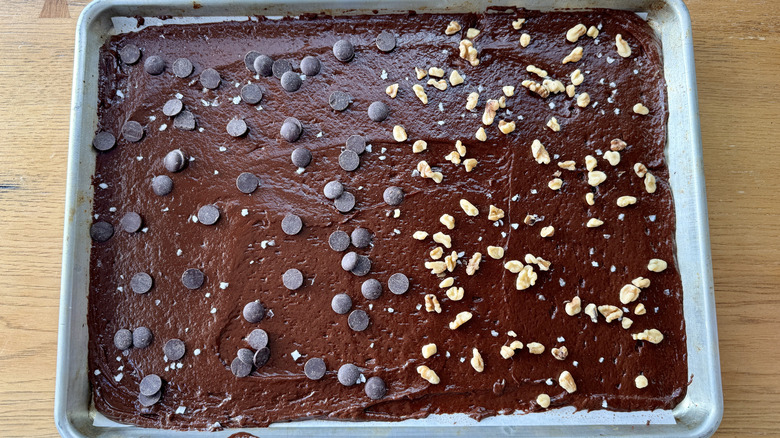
x=244 y=254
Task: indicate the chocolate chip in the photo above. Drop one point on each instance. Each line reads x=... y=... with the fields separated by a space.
x=141 y=283
x=251 y=94
x=246 y=355
x=291 y=131
x=249 y=60
x=263 y=65
x=378 y=111
x=130 y=54
x=358 y=320
x=132 y=131
x=208 y=214
x=154 y=65
x=348 y=374
x=398 y=283
x=123 y=339
x=310 y=66
x=142 y=337
x=338 y=241
x=345 y=202
x=393 y=195
x=192 y=278
x=257 y=339
x=174 y=349
x=148 y=401
x=254 y=312
x=291 y=82
x=150 y=385
x=349 y=261
x=361 y=237
x=343 y=50
x=162 y=185
x=175 y=161
x=356 y=143
x=292 y=279
x=371 y=289
x=210 y=78
x=375 y=388
x=131 y=222
x=333 y=189
x=104 y=141
x=182 y=67
x=339 y=100
x=173 y=107
x=261 y=357
x=247 y=182
x=385 y=41
x=363 y=266
x=314 y=368
x=240 y=368
x=349 y=160
x=236 y=127
x=292 y=224
x=184 y=121
x=101 y=231
x=301 y=157
x=280 y=67
x=341 y=303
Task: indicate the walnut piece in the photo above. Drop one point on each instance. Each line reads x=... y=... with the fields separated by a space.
x=641 y=109
x=419 y=146
x=626 y=323
x=555 y=184
x=506 y=127
x=481 y=135
x=432 y=303
x=495 y=252
x=590 y=198
x=448 y=221
x=537 y=71
x=593 y=32
x=641 y=282
x=517 y=24
x=491 y=106
x=610 y=312
x=650 y=183
x=436 y=253
x=641 y=382
x=535 y=348
x=495 y=213
x=420 y=72
x=508 y=90
x=428 y=374
x=594 y=223
x=640 y=309
x=429 y=350
x=468 y=208
x=574 y=34
x=576 y=77
x=507 y=352
x=657 y=265
x=443 y=239
x=420 y=93
x=455 y=293
x=574 y=56
x=476 y=361
x=472 y=33
x=471 y=101
x=436 y=72
x=460 y=319
x=447 y=282
x=452 y=28
x=525 y=40
x=543 y=400
x=567 y=382
x=617 y=145
x=399 y=133
x=629 y=293
x=469 y=164
x=553 y=124
x=625 y=201
x=623 y=48
x=547 y=231
x=436 y=267
x=526 y=278
x=420 y=235
x=473 y=265
x=455 y=78
x=513 y=266
x=590 y=162
x=392 y=90
x=568 y=165
x=574 y=306
x=613 y=157
x=441 y=84
x=540 y=153
x=640 y=170
x=560 y=353
x=590 y=310
x=583 y=100
x=652 y=335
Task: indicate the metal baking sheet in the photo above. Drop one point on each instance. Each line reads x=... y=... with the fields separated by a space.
x=698 y=415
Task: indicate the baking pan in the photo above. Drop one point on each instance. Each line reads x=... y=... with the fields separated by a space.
x=697 y=415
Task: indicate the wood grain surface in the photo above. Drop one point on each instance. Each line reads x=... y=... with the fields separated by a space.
x=736 y=44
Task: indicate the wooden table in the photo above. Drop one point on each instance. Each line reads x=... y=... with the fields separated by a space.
x=738 y=65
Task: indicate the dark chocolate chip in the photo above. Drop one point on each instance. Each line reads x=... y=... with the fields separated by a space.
x=174 y=349
x=154 y=65
x=249 y=60
x=358 y=320
x=345 y=203
x=192 y=278
x=210 y=78
x=398 y=283
x=251 y=94
x=315 y=368
x=247 y=182
x=371 y=289
x=123 y=339
x=182 y=67
x=101 y=231
x=132 y=131
x=236 y=127
x=184 y=121
x=349 y=160
x=246 y=355
x=339 y=100
x=240 y=368
x=378 y=111
x=261 y=357
x=393 y=195
x=208 y=214
x=175 y=160
x=349 y=261
x=257 y=339
x=310 y=66
x=338 y=241
x=300 y=157
x=333 y=189
x=385 y=41
x=173 y=107
x=356 y=143
x=292 y=279
x=363 y=266
x=141 y=283
x=162 y=185
x=341 y=303
x=280 y=67
x=254 y=312
x=130 y=54
x=131 y=222
x=291 y=82
x=343 y=50
x=291 y=131
x=292 y=224
x=150 y=385
x=348 y=374
x=263 y=65
x=148 y=401
x=375 y=388
x=142 y=337
x=361 y=237
x=104 y=141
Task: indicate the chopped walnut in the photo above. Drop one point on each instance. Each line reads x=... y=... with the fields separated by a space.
x=555 y=86
x=570 y=90
x=448 y=221
x=641 y=282
x=455 y=293
x=525 y=40
x=476 y=361
x=468 y=52
x=399 y=133
x=470 y=164
x=420 y=235
x=436 y=253
x=443 y=239
x=535 y=348
x=629 y=293
x=553 y=124
x=537 y=88
x=652 y=335
x=392 y=90
x=491 y=106
x=596 y=177
x=640 y=382
x=560 y=353
x=471 y=101
x=460 y=319
x=495 y=213
x=540 y=153
x=574 y=34
x=641 y=109
x=543 y=400
x=657 y=265
x=429 y=350
x=513 y=266
x=623 y=48
x=453 y=157
x=594 y=223
x=515 y=345
x=555 y=184
x=547 y=231
x=568 y=165
x=574 y=56
x=447 y=282
x=432 y=303
x=583 y=100
x=428 y=374
x=420 y=93
x=473 y=265
x=455 y=78
x=626 y=322
x=436 y=267
x=640 y=309
x=536 y=70
x=625 y=201
x=590 y=198
x=517 y=24
x=531 y=219
x=610 y=312
x=419 y=146
x=526 y=278
x=451 y=261
x=543 y=264
x=590 y=310
x=612 y=157
x=507 y=352
x=436 y=72
x=593 y=32
x=590 y=162
x=452 y=28
x=468 y=208
x=481 y=135
x=567 y=382
x=508 y=90
x=460 y=148
x=420 y=72
x=441 y=84
x=576 y=77
x=506 y=127
x=495 y=252
x=472 y=33
x=650 y=183
x=640 y=170
x=617 y=145
x=574 y=306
